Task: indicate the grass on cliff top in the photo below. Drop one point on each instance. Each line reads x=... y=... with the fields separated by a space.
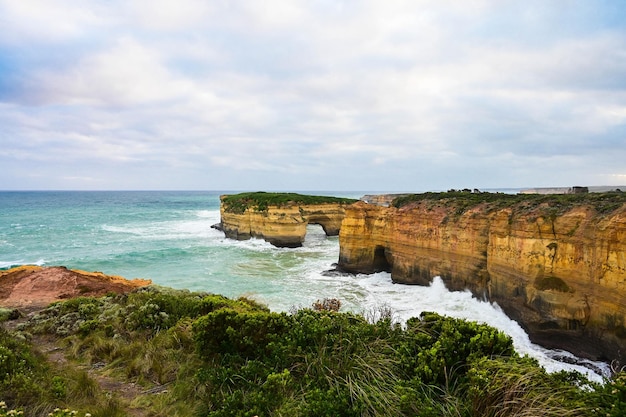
x=260 y=201
x=603 y=203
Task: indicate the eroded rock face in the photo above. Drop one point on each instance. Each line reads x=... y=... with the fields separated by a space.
x=562 y=277
x=282 y=226
x=35 y=286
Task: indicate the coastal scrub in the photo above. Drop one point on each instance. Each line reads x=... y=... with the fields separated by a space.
x=260 y=201
x=548 y=205
x=175 y=352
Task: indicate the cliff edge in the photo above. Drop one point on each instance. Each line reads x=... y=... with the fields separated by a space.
x=556 y=264
x=279 y=218
x=36 y=286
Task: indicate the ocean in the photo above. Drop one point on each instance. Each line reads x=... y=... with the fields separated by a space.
x=166 y=236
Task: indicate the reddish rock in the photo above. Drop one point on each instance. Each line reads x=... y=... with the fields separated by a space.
x=35 y=286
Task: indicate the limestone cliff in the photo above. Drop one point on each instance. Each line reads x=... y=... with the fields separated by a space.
x=279 y=218
x=556 y=265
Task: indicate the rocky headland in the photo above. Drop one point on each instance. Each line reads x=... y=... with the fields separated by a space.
x=279 y=218
x=556 y=264
x=29 y=287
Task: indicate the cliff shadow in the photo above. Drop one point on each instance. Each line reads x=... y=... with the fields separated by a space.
x=381 y=262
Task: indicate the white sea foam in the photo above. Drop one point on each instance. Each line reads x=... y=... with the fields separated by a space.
x=409 y=301
x=213 y=215
x=122 y=229
x=167 y=230
x=315 y=242
x=10 y=264
x=253 y=244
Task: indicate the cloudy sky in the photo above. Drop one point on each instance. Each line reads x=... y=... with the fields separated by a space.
x=393 y=95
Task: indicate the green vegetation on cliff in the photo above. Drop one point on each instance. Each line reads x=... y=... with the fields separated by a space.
x=555 y=204
x=260 y=201
x=192 y=354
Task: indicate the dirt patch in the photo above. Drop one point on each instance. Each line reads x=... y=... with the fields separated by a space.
x=125 y=391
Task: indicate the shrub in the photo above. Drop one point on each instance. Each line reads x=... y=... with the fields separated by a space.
x=310 y=363
x=518 y=386
x=327 y=304
x=436 y=349
x=222 y=357
x=545 y=205
x=609 y=399
x=247 y=334
x=22 y=372
x=260 y=201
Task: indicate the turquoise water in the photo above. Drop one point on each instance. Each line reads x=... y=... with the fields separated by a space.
x=163 y=236
x=167 y=237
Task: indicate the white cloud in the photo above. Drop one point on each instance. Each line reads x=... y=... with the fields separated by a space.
x=362 y=89
x=128 y=73
x=46 y=22
x=168 y=15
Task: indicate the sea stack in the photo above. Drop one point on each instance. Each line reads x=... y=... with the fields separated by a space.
x=279 y=218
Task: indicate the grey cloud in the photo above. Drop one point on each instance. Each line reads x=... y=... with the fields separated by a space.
x=391 y=95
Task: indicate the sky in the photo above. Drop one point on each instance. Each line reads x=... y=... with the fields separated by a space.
x=296 y=95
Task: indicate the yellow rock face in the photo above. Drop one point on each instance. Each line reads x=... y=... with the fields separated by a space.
x=562 y=277
x=283 y=226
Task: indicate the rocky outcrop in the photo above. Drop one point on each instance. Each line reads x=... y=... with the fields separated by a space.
x=381 y=199
x=560 y=271
x=36 y=286
x=281 y=225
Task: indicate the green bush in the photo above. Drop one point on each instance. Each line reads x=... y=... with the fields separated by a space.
x=310 y=363
x=22 y=373
x=548 y=206
x=247 y=334
x=514 y=386
x=220 y=357
x=337 y=362
x=260 y=201
x=609 y=399
x=437 y=349
x=8 y=314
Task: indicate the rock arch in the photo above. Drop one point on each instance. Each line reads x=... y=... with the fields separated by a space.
x=284 y=225
x=330 y=225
